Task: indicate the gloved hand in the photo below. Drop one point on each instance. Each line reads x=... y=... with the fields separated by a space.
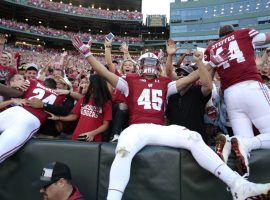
x=81 y=47
x=219 y=59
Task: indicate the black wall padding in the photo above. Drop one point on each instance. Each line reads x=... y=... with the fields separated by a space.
x=157 y=173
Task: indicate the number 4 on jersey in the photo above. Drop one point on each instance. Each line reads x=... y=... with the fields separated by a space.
x=236 y=53
x=40 y=94
x=151 y=99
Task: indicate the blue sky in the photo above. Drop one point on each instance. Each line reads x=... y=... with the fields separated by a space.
x=156 y=7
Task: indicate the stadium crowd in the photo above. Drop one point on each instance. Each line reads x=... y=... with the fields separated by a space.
x=74 y=72
x=60 y=33
x=93 y=92
x=79 y=10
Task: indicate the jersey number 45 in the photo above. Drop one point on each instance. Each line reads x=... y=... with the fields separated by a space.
x=151 y=99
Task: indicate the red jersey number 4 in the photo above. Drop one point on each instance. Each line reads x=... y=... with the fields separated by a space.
x=236 y=53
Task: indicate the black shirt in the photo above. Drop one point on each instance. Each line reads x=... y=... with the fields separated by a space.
x=188 y=110
x=48 y=128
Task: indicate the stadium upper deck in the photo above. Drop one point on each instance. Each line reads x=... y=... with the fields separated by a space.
x=200 y=20
x=81 y=16
x=96 y=18
x=90 y=11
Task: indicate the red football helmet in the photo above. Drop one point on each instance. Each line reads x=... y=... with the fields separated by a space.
x=149 y=64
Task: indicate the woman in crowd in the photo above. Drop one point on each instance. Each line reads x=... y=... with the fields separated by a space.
x=93 y=112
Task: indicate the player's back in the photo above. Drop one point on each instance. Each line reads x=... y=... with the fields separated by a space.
x=146 y=99
x=241 y=66
x=47 y=95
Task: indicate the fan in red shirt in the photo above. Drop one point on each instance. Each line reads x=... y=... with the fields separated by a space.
x=18 y=124
x=94 y=111
x=247 y=99
x=6 y=71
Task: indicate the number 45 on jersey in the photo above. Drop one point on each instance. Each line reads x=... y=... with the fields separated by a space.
x=151 y=99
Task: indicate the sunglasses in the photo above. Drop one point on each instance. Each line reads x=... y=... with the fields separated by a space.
x=180 y=72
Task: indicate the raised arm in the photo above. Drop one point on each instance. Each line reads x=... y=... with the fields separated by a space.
x=185 y=81
x=171 y=50
x=124 y=49
x=62 y=58
x=202 y=72
x=108 y=55
x=182 y=57
x=205 y=76
x=95 y=64
x=44 y=70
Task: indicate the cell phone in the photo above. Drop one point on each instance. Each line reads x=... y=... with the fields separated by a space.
x=109 y=37
x=81 y=138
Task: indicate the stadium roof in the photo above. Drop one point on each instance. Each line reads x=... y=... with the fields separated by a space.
x=131 y=5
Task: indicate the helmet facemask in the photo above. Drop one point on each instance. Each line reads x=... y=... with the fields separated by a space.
x=150 y=66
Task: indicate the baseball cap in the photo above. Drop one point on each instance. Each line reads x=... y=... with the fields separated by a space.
x=186 y=69
x=51 y=173
x=31 y=66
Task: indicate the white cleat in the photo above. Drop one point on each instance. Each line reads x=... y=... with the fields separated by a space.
x=242 y=189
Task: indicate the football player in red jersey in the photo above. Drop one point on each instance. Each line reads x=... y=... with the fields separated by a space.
x=146 y=93
x=246 y=97
x=18 y=124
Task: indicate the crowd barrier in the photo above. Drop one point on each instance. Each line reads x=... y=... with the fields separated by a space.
x=157 y=173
